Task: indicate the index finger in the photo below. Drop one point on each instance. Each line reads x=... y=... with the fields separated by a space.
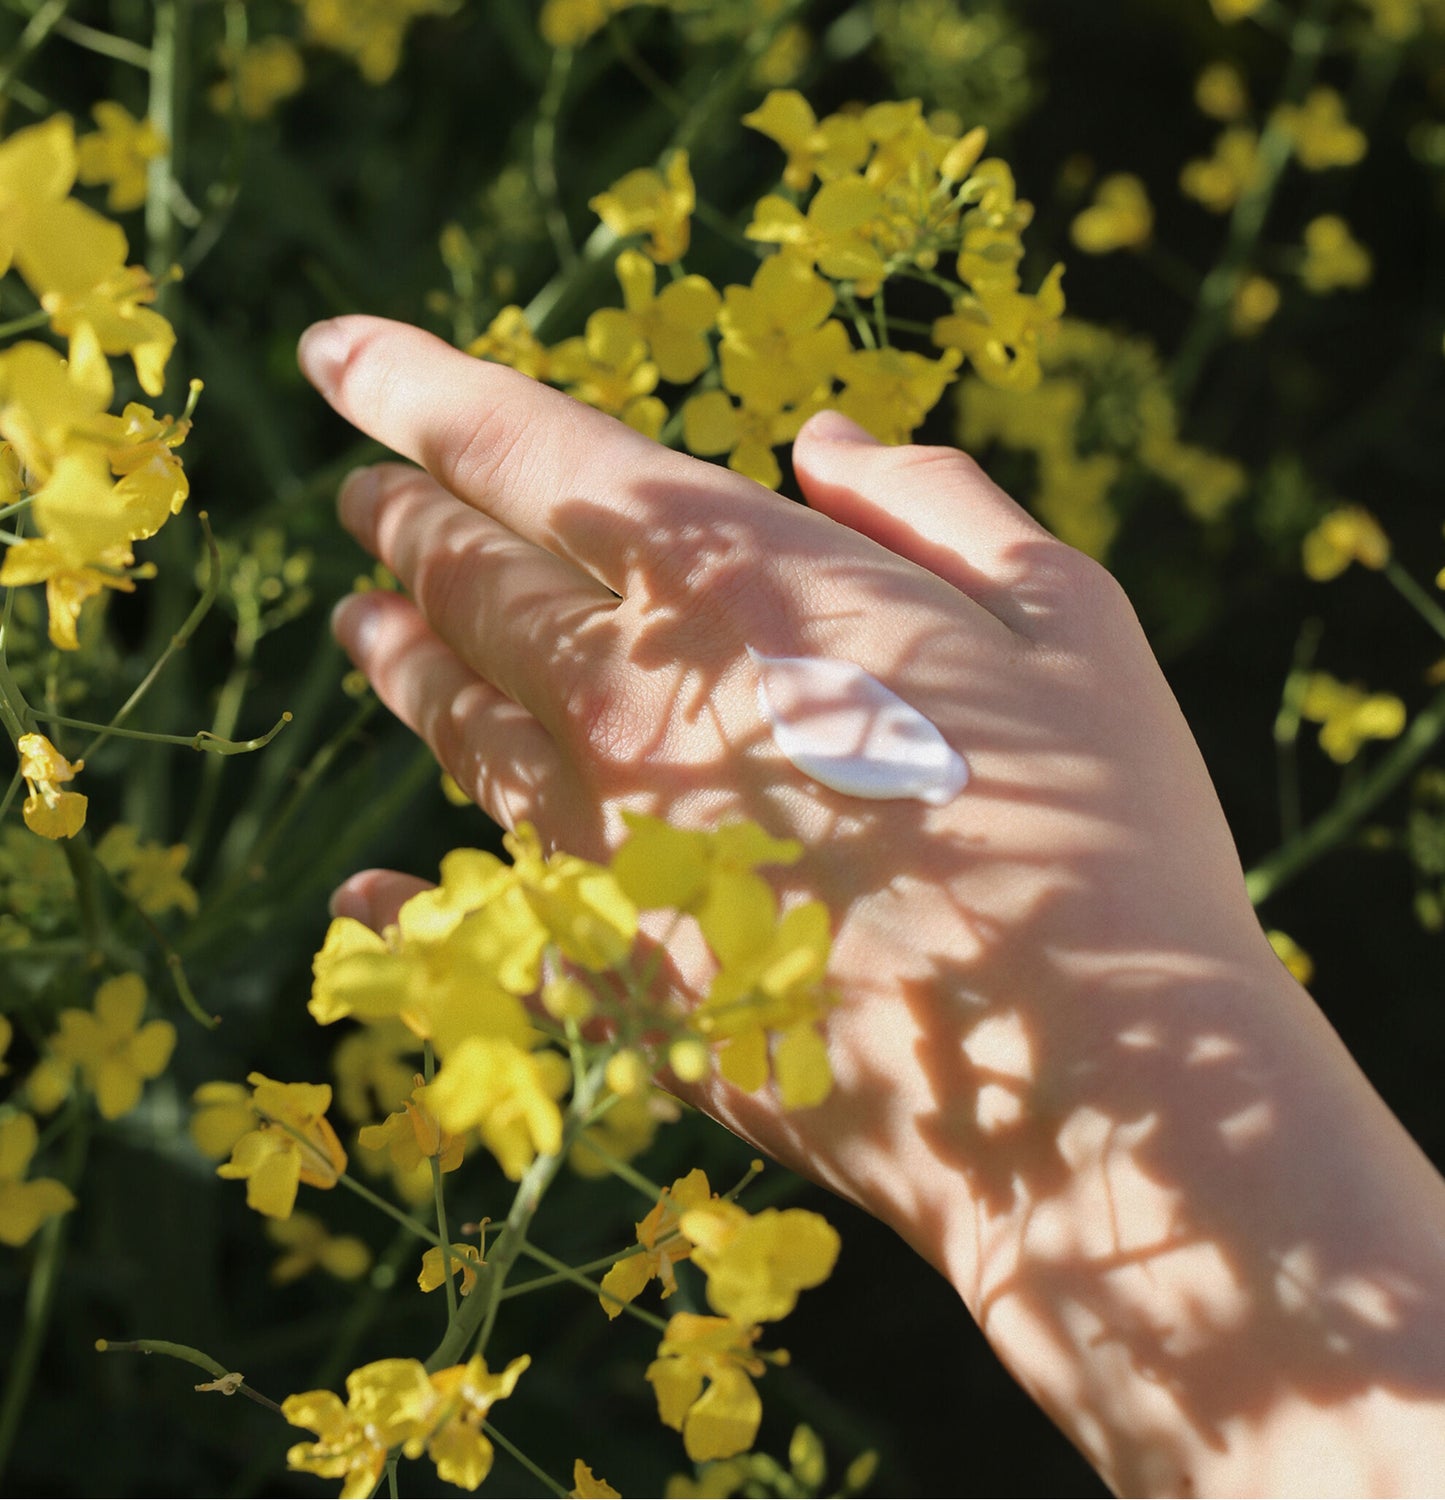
x=506 y=444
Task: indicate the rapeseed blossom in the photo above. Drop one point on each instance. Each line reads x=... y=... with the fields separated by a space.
x=465 y=1395
x=757 y=1264
x=221 y=1114
x=587 y=1486
x=508 y=1095
x=258 y=77
x=657 y=204
x=1348 y=715
x=413 y=1135
x=149 y=874
x=25 y=1205
x=47 y=810
x=1120 y=217
x=292 y=1144
x=115 y=1054
x=662 y=1244
x=309 y=1245
x=464 y=1259
x=672 y=323
x=1347 y=534
x=703 y=1378
x=1334 y=260
x=118 y=154
x=607 y=367
x=369 y=32
x=1219 y=181
x=1320 y=133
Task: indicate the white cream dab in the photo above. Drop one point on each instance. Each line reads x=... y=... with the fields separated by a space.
x=841 y=726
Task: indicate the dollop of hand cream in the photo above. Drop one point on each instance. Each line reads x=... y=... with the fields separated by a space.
x=839 y=725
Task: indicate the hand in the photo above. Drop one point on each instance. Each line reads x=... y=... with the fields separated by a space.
x=1056 y=1001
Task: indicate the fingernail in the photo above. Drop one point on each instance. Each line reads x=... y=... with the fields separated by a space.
x=323 y=351
x=346 y=902
x=358 y=491
x=834 y=427
x=354 y=622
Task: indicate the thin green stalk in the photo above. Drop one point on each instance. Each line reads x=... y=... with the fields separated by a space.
x=40 y=25
x=39 y=1300
x=479 y=1311
x=538 y=1474
x=187 y=1355
x=643 y=71
x=1307 y=41
x=1424 y=604
x=544 y=159
x=104 y=42
x=1351 y=807
x=602 y=1263
x=391 y=1487
x=202 y=739
x=361 y=1190
x=81 y=859
x=563 y=1272
x=629 y=1174
x=429 y=1072
x=22 y=325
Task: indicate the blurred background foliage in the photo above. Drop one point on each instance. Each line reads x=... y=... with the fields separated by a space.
x=1204 y=408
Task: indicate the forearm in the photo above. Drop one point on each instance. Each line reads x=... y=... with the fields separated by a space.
x=1198 y=1238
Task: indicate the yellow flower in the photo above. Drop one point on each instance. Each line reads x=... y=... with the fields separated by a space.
x=1319 y=132
x=673 y=323
x=587 y=1486
x=369 y=32
x=48 y=811
x=309 y=1244
x=662 y=1242
x=371 y=1071
x=1220 y=92
x=721 y=1420
x=509 y=1096
x=838 y=233
x=509 y=340
x=756 y=1264
x=150 y=874
x=890 y=391
x=390 y=1403
x=1291 y=955
x=465 y=1258
x=569 y=23
x=1230 y=11
x=25 y=1206
x=1219 y=181
x=221 y=1114
x=625 y=1131
x=1120 y=217
x=117 y=154
x=458 y=1447
x=607 y=367
x=413 y=1135
x=1348 y=716
x=1255 y=302
x=75 y=265
x=1348 y=534
x=258 y=78
x=658 y=205
x=835 y=147
x=51 y=407
x=1333 y=258
x=452 y=967
x=779 y=347
x=37 y=171
x=714 y=425
x=293 y=1144
x=580 y=905
x=114 y=1052
x=999 y=328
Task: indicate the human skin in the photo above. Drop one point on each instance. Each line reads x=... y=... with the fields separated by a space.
x=1069 y=1070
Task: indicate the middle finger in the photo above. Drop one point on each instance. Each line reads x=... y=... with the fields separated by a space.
x=528 y=622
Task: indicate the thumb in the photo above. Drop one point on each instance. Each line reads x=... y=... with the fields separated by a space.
x=932 y=505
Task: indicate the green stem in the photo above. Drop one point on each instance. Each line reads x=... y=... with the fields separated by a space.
x=1425 y=606
x=177 y=641
x=203 y=739
x=538 y=1474
x=39 y=1301
x=1351 y=807
x=479 y=1311
x=7 y=330
x=629 y=1174
x=563 y=1272
x=81 y=859
x=544 y=159
x=429 y=1072
x=186 y=1355
x=40 y=25
x=1211 y=317
x=104 y=42
x=403 y=1218
x=602 y=1263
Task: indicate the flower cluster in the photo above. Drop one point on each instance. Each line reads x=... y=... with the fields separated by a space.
x=867 y=197
x=756 y=1265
